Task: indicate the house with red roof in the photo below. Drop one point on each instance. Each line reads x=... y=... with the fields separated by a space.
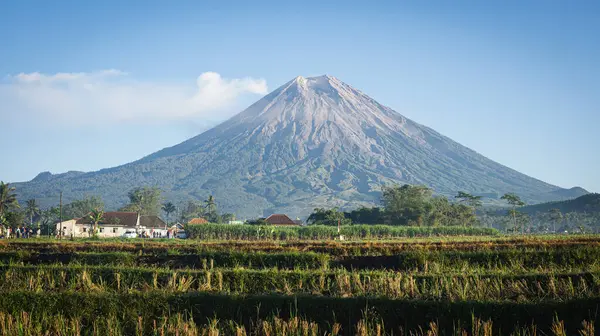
x=280 y=220
x=197 y=221
x=114 y=224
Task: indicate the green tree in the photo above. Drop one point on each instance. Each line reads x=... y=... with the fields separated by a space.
x=168 y=208
x=15 y=218
x=210 y=210
x=145 y=201
x=96 y=216
x=81 y=208
x=515 y=201
x=473 y=201
x=8 y=199
x=440 y=212
x=443 y=213
x=47 y=219
x=31 y=210
x=364 y=215
x=556 y=217
x=330 y=217
x=191 y=209
x=407 y=204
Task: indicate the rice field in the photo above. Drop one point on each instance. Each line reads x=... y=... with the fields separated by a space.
x=461 y=285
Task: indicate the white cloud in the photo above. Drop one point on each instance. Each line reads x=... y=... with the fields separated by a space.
x=112 y=95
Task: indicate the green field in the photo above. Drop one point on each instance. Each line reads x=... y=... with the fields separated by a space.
x=425 y=285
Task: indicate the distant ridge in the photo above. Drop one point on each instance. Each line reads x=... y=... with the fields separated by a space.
x=589 y=203
x=313 y=142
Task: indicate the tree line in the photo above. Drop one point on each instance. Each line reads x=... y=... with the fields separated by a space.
x=401 y=205
x=406 y=205
x=146 y=201
x=410 y=205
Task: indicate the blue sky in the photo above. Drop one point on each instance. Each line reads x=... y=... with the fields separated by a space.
x=88 y=85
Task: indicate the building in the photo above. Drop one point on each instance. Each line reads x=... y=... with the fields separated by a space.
x=114 y=224
x=199 y=220
x=280 y=219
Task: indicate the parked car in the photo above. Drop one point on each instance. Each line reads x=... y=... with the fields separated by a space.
x=130 y=234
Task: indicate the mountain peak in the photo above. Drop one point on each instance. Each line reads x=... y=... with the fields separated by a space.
x=317 y=82
x=313 y=142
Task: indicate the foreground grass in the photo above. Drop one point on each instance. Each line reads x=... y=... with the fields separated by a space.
x=135 y=312
x=27 y=324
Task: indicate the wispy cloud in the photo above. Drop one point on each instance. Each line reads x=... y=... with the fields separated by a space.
x=115 y=96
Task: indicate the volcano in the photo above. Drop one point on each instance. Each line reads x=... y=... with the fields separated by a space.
x=313 y=142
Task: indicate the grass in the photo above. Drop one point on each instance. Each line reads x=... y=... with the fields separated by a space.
x=135 y=312
x=27 y=324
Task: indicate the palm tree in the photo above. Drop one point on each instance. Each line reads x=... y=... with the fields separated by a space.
x=211 y=208
x=169 y=208
x=96 y=216
x=32 y=210
x=8 y=199
x=515 y=201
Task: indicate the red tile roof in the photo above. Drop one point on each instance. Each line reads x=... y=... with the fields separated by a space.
x=280 y=219
x=199 y=220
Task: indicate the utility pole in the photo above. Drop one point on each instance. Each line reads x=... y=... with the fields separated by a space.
x=60 y=216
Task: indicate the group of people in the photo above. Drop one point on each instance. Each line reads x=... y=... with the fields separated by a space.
x=19 y=232
x=158 y=234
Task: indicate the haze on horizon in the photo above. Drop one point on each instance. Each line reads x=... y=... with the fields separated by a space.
x=91 y=86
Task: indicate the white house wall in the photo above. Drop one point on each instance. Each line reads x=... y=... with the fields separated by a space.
x=71 y=229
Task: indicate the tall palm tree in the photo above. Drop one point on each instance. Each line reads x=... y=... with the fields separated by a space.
x=96 y=216
x=8 y=199
x=169 y=208
x=32 y=209
x=211 y=208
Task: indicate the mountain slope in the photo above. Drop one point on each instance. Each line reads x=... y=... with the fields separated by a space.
x=589 y=203
x=312 y=142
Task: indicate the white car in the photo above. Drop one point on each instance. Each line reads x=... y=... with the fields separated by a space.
x=130 y=234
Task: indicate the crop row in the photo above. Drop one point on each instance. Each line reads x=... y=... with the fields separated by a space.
x=320 y=232
x=147 y=310
x=337 y=283
x=285 y=260
x=424 y=261
x=27 y=324
x=334 y=248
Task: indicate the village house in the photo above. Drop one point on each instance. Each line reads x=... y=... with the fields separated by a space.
x=281 y=220
x=114 y=224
